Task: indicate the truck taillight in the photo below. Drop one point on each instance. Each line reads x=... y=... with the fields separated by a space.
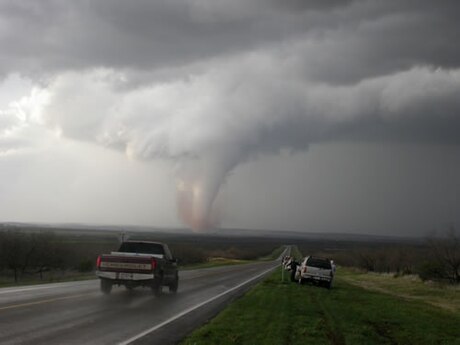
x=98 y=261
x=154 y=264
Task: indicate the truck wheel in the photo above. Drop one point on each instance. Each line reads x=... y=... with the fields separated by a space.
x=174 y=286
x=106 y=286
x=157 y=287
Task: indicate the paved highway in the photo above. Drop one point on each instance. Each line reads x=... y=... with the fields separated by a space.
x=77 y=313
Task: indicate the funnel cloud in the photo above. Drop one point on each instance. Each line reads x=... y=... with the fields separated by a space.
x=213 y=86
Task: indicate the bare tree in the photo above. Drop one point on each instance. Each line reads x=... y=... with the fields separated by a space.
x=49 y=253
x=367 y=260
x=446 y=251
x=14 y=250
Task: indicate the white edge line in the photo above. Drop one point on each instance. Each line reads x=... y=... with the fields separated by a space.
x=186 y=311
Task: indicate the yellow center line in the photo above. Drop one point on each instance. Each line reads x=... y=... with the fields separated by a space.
x=42 y=301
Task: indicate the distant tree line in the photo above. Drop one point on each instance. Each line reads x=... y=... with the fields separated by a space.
x=39 y=254
x=26 y=254
x=437 y=258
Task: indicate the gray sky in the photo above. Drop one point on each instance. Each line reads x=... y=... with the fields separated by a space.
x=320 y=116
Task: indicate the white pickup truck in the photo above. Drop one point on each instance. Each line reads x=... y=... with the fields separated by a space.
x=316 y=270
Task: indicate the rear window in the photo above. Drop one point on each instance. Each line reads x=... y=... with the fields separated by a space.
x=319 y=263
x=140 y=247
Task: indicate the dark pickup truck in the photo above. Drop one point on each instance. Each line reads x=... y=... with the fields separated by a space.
x=138 y=263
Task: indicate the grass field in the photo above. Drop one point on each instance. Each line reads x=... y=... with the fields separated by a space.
x=407 y=287
x=216 y=262
x=295 y=252
x=274 y=255
x=276 y=312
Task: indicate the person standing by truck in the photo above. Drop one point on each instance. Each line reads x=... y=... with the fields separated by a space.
x=293 y=267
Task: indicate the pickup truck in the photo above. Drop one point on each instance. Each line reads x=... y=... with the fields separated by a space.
x=138 y=263
x=316 y=270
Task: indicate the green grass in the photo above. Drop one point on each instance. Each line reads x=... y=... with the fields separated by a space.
x=295 y=252
x=276 y=312
x=409 y=287
x=216 y=262
x=274 y=255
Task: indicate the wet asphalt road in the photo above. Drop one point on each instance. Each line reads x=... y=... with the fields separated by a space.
x=78 y=313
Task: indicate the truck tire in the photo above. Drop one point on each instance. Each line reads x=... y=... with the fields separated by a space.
x=106 y=286
x=157 y=286
x=175 y=285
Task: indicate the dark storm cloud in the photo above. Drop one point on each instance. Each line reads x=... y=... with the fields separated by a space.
x=117 y=34
x=344 y=41
x=213 y=83
x=376 y=38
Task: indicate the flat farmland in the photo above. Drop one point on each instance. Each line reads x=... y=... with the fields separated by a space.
x=359 y=309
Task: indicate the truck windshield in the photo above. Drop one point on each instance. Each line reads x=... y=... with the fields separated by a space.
x=141 y=247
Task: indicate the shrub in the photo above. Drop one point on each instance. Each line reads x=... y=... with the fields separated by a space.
x=431 y=270
x=86 y=266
